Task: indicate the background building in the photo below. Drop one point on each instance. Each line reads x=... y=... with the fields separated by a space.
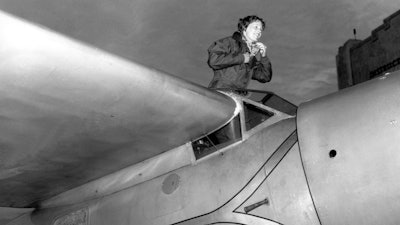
x=358 y=61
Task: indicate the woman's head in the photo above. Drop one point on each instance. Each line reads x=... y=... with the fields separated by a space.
x=251 y=27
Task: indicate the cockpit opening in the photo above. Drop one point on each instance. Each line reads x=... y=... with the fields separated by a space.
x=252 y=115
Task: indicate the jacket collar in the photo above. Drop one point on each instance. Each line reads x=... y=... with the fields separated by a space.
x=238 y=37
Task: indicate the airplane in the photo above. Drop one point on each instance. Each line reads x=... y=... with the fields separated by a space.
x=90 y=138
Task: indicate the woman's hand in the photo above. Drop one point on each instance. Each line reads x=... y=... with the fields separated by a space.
x=262 y=48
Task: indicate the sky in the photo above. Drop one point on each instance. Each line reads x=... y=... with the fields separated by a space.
x=302 y=36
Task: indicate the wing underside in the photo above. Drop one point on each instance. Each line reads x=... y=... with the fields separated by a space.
x=70 y=113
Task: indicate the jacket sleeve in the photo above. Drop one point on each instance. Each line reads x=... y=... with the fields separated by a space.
x=220 y=55
x=261 y=69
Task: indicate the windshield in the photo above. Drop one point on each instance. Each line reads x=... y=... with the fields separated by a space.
x=267 y=98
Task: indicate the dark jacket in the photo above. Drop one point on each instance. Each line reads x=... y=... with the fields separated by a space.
x=225 y=57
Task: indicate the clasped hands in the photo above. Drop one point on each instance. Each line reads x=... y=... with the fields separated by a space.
x=255 y=48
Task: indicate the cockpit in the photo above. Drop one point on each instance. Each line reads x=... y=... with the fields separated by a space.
x=264 y=108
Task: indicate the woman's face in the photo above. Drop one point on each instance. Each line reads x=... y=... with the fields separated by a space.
x=253 y=31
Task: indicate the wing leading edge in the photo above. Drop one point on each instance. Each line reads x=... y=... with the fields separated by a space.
x=71 y=113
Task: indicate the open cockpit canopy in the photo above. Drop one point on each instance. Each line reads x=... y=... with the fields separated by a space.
x=252 y=114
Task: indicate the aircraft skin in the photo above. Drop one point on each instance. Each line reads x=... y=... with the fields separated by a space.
x=335 y=162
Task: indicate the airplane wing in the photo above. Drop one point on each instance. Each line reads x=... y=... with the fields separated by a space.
x=70 y=113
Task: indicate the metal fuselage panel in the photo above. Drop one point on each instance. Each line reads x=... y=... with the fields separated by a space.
x=215 y=190
x=350 y=142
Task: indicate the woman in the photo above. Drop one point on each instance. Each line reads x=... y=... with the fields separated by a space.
x=241 y=57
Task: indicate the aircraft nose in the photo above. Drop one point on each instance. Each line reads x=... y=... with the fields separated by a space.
x=352 y=137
